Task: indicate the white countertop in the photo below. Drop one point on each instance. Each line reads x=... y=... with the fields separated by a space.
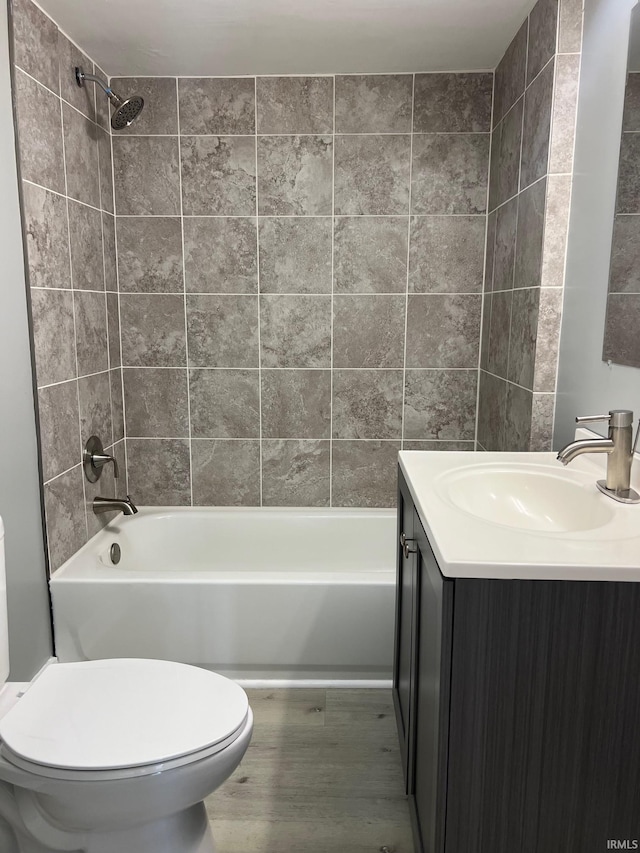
x=468 y=547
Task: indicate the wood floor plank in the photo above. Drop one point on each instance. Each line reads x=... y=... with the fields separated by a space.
x=250 y=803
x=326 y=781
x=288 y=707
x=302 y=837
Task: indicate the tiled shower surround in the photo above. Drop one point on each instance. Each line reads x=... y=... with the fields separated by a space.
x=290 y=291
x=69 y=227
x=533 y=140
x=297 y=302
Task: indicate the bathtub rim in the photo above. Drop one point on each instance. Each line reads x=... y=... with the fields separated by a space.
x=79 y=568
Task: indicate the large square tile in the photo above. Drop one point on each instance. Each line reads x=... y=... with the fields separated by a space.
x=39 y=134
x=153 y=330
x=373 y=103
x=156 y=402
x=221 y=254
x=295 y=104
x=150 y=254
x=453 y=103
x=146 y=175
x=295 y=331
x=225 y=403
x=295 y=175
x=368 y=331
x=47 y=237
x=295 y=473
x=218 y=175
x=217 y=105
x=372 y=174
x=222 y=331
x=365 y=473
x=296 y=403
x=447 y=254
x=450 y=173
x=295 y=254
x=367 y=404
x=226 y=473
x=370 y=254
x=440 y=404
x=443 y=330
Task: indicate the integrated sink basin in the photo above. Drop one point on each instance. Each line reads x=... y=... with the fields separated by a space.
x=527 y=497
x=523 y=515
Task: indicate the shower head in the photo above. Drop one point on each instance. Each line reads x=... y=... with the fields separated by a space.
x=126 y=110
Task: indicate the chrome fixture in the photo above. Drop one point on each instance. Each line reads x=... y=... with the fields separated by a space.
x=620 y=448
x=124 y=505
x=115 y=553
x=127 y=110
x=94 y=459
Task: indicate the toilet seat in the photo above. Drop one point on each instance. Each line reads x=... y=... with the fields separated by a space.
x=121 y=718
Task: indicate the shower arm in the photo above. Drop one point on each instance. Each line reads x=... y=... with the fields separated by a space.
x=82 y=78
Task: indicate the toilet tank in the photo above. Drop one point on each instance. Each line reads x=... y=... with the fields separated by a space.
x=4 y=631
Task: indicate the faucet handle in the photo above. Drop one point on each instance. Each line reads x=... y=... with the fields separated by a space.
x=615 y=418
x=593 y=419
x=94 y=459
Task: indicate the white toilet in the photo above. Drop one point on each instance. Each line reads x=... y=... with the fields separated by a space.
x=114 y=756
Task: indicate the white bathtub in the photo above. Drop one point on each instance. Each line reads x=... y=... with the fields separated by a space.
x=258 y=594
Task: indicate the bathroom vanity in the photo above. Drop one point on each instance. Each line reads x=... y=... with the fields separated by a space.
x=517 y=663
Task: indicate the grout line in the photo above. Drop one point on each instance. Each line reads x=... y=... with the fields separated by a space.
x=69 y=289
x=117 y=263
x=318 y=74
x=326 y=295
x=184 y=296
x=61 y=474
x=63 y=100
x=524 y=189
x=255 y=119
x=256 y=439
x=288 y=215
x=406 y=294
x=296 y=135
x=485 y=293
x=291 y=369
x=75 y=332
x=333 y=236
x=566 y=245
x=104 y=282
x=62 y=195
x=72 y=379
x=510 y=382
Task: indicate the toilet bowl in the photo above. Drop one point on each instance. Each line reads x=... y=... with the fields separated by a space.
x=116 y=756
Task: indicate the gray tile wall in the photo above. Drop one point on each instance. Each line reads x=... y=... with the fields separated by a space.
x=300 y=265
x=69 y=228
x=621 y=341
x=529 y=198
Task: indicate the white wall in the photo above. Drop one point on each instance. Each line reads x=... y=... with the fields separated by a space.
x=586 y=384
x=29 y=622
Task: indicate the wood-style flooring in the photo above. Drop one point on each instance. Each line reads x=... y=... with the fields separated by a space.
x=322 y=775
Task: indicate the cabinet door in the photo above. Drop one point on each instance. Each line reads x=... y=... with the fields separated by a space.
x=403 y=680
x=431 y=721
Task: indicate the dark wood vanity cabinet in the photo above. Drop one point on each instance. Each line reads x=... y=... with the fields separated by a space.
x=518 y=707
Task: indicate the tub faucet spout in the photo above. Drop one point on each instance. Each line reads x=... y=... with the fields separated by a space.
x=124 y=505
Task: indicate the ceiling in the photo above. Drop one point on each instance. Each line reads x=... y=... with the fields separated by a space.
x=230 y=37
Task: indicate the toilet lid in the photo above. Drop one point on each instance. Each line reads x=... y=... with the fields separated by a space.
x=110 y=714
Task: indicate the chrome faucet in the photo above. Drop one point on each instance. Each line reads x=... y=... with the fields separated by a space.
x=94 y=459
x=620 y=448
x=123 y=505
